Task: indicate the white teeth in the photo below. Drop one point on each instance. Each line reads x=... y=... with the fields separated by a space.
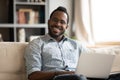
x=56 y=28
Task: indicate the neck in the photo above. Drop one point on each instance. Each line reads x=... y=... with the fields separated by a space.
x=58 y=39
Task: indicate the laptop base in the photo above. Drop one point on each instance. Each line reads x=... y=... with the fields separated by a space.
x=96 y=79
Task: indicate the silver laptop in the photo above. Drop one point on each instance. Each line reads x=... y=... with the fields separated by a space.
x=95 y=65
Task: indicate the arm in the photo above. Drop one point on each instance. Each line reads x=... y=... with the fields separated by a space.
x=44 y=75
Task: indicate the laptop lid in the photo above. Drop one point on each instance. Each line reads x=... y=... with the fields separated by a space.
x=95 y=65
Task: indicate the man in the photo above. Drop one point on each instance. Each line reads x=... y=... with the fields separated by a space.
x=53 y=54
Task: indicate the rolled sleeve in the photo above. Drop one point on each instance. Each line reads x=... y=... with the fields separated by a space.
x=32 y=70
x=32 y=58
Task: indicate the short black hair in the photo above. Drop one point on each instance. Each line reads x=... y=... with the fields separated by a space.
x=63 y=9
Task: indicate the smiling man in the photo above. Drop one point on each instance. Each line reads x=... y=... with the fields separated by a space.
x=53 y=54
x=58 y=23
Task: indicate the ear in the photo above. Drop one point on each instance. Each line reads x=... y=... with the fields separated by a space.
x=48 y=21
x=67 y=26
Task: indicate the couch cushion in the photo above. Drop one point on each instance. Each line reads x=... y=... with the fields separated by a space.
x=116 y=64
x=12 y=64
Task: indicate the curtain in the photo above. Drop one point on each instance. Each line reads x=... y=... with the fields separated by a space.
x=82 y=29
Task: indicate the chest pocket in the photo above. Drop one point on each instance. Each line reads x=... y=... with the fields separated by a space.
x=51 y=52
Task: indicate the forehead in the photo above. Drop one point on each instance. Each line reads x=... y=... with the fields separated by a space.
x=59 y=14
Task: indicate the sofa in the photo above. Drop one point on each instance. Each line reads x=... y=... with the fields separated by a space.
x=12 y=62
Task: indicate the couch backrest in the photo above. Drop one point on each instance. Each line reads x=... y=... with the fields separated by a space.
x=12 y=64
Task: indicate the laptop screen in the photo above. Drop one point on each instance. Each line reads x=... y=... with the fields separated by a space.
x=95 y=65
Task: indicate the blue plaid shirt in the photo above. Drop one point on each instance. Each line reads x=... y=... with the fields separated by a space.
x=46 y=54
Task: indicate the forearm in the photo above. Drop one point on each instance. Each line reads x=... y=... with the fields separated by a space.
x=63 y=72
x=42 y=75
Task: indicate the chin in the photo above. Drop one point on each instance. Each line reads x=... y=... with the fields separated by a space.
x=55 y=36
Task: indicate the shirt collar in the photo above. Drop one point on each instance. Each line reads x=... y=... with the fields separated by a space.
x=49 y=38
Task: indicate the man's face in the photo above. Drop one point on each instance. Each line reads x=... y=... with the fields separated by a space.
x=57 y=24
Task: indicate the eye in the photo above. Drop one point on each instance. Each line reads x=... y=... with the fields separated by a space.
x=55 y=20
x=62 y=22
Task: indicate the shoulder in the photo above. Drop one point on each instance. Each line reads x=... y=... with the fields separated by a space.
x=74 y=42
x=37 y=42
x=78 y=44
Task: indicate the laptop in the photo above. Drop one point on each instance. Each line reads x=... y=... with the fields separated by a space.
x=95 y=65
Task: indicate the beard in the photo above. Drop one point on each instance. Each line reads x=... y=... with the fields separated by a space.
x=57 y=34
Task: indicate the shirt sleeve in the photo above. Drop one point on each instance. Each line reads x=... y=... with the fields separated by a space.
x=82 y=47
x=33 y=57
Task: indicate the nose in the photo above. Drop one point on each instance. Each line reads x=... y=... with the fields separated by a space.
x=58 y=23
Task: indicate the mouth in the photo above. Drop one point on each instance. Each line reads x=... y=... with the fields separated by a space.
x=56 y=29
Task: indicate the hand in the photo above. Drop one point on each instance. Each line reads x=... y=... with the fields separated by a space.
x=64 y=72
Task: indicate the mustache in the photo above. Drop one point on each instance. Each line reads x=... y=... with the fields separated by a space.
x=57 y=27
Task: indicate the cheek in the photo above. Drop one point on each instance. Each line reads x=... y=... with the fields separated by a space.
x=50 y=23
x=65 y=27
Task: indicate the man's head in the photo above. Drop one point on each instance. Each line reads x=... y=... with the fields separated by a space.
x=63 y=9
x=58 y=22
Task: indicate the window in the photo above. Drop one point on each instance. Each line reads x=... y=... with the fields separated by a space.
x=105 y=16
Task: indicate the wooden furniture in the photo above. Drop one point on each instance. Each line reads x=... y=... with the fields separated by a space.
x=29 y=15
